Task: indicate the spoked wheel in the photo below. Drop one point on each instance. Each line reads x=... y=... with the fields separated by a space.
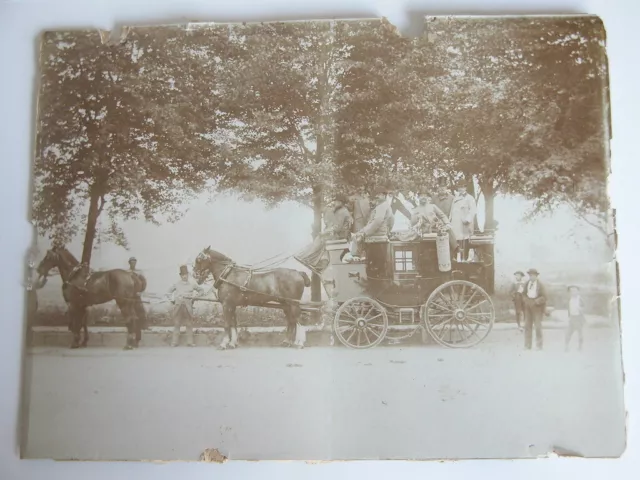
x=458 y=314
x=360 y=322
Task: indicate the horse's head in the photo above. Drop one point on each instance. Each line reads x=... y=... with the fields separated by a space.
x=202 y=266
x=50 y=260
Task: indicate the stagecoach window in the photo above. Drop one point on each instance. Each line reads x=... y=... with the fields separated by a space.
x=404 y=260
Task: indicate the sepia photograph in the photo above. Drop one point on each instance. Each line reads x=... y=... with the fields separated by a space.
x=323 y=240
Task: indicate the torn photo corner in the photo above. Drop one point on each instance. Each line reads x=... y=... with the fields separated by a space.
x=322 y=241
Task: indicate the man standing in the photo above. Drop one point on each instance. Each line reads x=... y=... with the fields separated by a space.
x=463 y=213
x=535 y=302
x=35 y=282
x=181 y=296
x=576 y=317
x=517 y=295
x=138 y=307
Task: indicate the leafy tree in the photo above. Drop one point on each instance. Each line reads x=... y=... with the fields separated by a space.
x=521 y=94
x=280 y=96
x=113 y=138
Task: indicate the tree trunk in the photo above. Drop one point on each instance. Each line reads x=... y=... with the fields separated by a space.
x=316 y=281
x=488 y=191
x=92 y=220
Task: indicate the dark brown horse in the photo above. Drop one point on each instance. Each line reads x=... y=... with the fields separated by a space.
x=82 y=288
x=240 y=286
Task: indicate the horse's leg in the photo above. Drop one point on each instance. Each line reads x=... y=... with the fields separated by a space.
x=288 y=338
x=138 y=328
x=234 y=331
x=85 y=328
x=228 y=311
x=74 y=325
x=125 y=309
x=299 y=333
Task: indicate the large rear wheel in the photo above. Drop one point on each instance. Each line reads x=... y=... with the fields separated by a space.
x=361 y=322
x=458 y=314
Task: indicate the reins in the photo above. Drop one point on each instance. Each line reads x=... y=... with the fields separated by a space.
x=228 y=268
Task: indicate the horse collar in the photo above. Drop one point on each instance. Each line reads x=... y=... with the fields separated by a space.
x=223 y=275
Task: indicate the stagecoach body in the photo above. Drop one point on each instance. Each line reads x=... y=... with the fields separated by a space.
x=402 y=285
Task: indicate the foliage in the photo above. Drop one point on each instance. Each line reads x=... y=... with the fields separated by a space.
x=296 y=111
x=110 y=141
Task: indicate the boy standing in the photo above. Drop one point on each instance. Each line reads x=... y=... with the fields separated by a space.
x=182 y=293
x=576 y=317
x=517 y=292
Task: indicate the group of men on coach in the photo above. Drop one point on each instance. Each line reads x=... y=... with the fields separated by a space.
x=357 y=219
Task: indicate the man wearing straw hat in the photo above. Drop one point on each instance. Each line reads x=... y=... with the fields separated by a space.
x=182 y=296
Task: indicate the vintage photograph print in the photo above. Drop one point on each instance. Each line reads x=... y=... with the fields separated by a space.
x=323 y=240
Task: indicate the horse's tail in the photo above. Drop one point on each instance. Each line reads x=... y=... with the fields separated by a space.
x=305 y=277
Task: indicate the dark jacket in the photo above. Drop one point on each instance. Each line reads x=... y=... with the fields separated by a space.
x=514 y=290
x=444 y=204
x=361 y=212
x=339 y=221
x=541 y=297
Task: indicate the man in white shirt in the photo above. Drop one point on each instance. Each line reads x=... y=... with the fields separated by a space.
x=182 y=293
x=576 y=317
x=535 y=302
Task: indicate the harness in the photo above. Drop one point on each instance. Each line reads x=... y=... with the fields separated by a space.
x=244 y=287
x=225 y=273
x=72 y=275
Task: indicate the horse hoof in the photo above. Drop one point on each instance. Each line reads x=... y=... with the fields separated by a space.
x=127 y=347
x=74 y=346
x=222 y=347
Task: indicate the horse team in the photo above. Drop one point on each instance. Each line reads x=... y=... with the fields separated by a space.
x=236 y=285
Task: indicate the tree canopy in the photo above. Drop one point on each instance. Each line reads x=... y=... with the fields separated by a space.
x=297 y=111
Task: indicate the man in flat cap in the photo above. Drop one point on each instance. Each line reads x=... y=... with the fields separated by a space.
x=443 y=199
x=375 y=233
x=337 y=219
x=535 y=302
x=361 y=209
x=182 y=296
x=138 y=307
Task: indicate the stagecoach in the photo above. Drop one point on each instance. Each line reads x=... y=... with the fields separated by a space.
x=407 y=286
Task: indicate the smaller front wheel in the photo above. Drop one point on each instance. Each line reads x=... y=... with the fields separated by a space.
x=361 y=322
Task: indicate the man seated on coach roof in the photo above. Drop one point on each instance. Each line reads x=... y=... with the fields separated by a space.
x=428 y=215
x=337 y=219
x=375 y=233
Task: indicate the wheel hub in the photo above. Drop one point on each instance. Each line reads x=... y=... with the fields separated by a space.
x=361 y=322
x=460 y=314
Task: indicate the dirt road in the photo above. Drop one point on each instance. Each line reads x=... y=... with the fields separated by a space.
x=328 y=403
